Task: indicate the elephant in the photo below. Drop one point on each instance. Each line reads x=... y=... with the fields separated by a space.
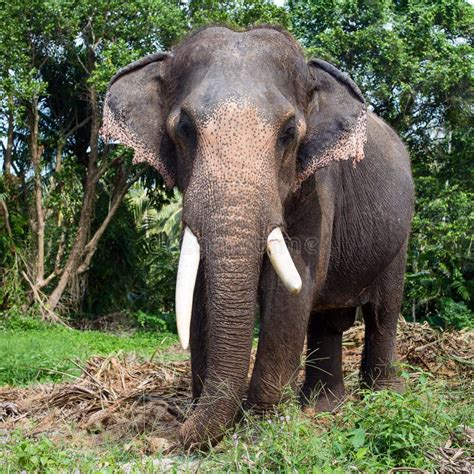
x=297 y=201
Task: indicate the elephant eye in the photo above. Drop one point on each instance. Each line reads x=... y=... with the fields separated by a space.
x=185 y=130
x=288 y=133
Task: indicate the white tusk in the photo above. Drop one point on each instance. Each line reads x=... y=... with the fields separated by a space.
x=185 y=281
x=282 y=262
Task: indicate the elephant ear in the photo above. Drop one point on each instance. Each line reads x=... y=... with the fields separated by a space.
x=134 y=114
x=336 y=124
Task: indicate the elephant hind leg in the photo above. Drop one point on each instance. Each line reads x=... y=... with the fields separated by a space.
x=324 y=380
x=381 y=316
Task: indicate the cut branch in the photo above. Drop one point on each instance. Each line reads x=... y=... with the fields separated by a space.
x=47 y=314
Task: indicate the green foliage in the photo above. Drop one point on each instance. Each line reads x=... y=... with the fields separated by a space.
x=11 y=291
x=160 y=263
x=453 y=315
x=237 y=13
x=116 y=265
x=137 y=260
x=163 y=220
x=37 y=457
x=40 y=455
x=397 y=428
x=18 y=320
x=164 y=322
x=440 y=258
x=413 y=61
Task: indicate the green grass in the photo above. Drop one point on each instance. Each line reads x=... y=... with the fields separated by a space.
x=33 y=352
x=381 y=431
x=373 y=432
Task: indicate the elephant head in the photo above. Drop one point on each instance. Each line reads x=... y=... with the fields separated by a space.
x=237 y=120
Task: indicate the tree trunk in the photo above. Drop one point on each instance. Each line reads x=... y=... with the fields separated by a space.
x=7 y=161
x=6 y=216
x=36 y=150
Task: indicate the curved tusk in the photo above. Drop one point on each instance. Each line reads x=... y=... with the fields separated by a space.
x=282 y=262
x=185 y=281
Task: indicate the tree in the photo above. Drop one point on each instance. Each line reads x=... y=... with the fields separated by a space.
x=64 y=54
x=236 y=13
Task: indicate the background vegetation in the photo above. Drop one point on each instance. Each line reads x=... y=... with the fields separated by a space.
x=83 y=233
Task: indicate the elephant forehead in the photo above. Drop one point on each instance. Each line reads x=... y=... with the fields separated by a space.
x=269 y=47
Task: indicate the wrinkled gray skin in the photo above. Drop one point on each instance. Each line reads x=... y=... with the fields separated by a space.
x=257 y=138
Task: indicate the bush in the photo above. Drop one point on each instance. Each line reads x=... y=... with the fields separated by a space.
x=40 y=456
x=439 y=267
x=398 y=428
x=164 y=322
x=453 y=315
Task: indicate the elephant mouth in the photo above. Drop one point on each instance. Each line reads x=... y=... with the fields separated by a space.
x=188 y=266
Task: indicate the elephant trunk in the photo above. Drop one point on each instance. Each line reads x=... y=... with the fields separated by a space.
x=232 y=257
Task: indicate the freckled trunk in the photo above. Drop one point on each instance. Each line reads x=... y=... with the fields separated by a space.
x=232 y=263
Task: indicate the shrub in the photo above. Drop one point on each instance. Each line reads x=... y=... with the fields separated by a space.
x=453 y=315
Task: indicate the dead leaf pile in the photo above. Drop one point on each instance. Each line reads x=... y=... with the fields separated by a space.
x=123 y=397
x=442 y=353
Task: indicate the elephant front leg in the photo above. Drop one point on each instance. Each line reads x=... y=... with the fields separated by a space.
x=324 y=384
x=198 y=337
x=283 y=324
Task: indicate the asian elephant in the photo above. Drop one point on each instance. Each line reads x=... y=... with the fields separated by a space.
x=296 y=199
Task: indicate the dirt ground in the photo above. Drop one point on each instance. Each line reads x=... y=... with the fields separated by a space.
x=144 y=403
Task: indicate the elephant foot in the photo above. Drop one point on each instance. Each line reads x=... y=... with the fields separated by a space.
x=189 y=436
x=325 y=400
x=261 y=400
x=382 y=382
x=259 y=408
x=394 y=385
x=207 y=425
x=195 y=435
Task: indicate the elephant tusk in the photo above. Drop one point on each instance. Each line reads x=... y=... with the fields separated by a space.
x=282 y=262
x=185 y=281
